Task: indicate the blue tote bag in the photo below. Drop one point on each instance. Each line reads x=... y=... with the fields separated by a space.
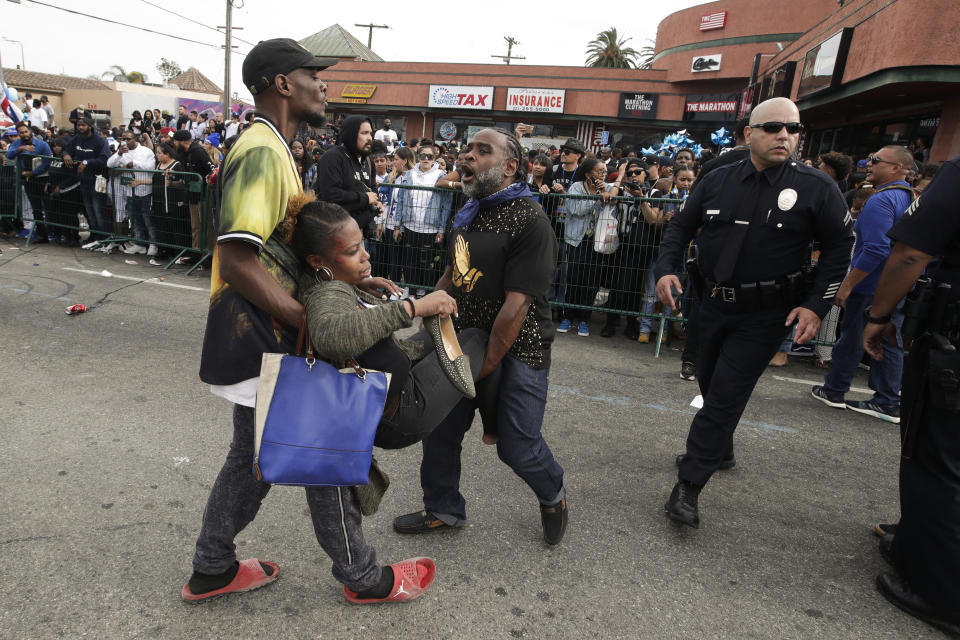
x=315 y=424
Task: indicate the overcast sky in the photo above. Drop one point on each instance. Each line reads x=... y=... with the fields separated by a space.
x=554 y=32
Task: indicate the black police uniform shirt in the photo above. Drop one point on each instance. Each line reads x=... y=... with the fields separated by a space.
x=932 y=225
x=796 y=204
x=508 y=247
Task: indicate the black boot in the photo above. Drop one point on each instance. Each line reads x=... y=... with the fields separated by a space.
x=682 y=505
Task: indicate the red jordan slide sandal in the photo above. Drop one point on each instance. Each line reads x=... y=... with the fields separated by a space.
x=249 y=576
x=411 y=578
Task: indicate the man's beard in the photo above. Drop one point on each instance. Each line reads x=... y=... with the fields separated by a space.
x=315 y=118
x=486 y=183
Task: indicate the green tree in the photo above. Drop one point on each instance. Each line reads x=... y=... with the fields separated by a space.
x=647 y=54
x=168 y=69
x=608 y=51
x=116 y=73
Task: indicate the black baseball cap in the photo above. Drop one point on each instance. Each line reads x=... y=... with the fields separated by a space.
x=270 y=58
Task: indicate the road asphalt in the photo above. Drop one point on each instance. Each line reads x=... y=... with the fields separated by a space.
x=111 y=444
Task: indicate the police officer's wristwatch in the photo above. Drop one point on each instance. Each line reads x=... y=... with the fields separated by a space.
x=872 y=320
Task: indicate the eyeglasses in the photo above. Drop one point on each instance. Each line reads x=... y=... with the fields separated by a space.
x=638 y=172
x=426 y=156
x=875 y=159
x=775 y=127
x=565 y=150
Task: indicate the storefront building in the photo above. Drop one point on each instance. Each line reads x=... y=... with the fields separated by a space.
x=712 y=63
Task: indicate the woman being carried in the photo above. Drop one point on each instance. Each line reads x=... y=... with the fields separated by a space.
x=431 y=372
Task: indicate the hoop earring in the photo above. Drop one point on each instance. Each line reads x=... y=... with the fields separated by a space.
x=326 y=272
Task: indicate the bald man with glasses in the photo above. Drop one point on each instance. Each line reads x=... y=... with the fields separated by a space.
x=756 y=220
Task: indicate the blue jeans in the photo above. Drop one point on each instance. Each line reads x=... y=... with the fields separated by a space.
x=885 y=375
x=138 y=210
x=649 y=298
x=98 y=215
x=522 y=400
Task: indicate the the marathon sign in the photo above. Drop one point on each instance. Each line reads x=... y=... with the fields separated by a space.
x=638 y=105
x=536 y=100
x=717 y=106
x=447 y=96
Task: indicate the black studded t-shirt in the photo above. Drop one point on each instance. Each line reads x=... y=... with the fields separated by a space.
x=508 y=247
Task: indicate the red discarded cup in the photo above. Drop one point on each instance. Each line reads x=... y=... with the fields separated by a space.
x=75 y=309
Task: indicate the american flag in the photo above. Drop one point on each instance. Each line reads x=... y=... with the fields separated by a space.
x=7 y=108
x=713 y=21
x=589 y=134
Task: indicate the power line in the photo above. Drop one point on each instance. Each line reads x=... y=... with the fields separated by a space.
x=124 y=24
x=189 y=19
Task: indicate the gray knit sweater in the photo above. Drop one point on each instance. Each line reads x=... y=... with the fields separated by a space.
x=340 y=329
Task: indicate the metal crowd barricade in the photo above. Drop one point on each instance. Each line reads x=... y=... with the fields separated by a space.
x=155 y=210
x=584 y=278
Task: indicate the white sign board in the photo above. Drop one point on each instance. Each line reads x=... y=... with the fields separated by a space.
x=706 y=63
x=535 y=100
x=445 y=96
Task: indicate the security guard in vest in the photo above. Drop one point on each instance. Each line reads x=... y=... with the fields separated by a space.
x=924 y=547
x=756 y=219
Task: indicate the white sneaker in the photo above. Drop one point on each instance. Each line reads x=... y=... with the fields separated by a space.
x=152 y=251
x=109 y=248
x=135 y=249
x=156 y=262
x=90 y=245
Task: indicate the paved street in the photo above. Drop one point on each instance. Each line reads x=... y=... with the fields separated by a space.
x=110 y=445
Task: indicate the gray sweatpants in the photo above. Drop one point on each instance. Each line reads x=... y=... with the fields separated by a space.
x=235 y=500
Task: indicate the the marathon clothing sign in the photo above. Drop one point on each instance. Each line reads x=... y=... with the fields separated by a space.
x=536 y=100
x=638 y=105
x=717 y=106
x=447 y=96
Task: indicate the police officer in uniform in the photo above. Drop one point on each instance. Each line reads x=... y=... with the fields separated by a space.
x=756 y=219
x=924 y=547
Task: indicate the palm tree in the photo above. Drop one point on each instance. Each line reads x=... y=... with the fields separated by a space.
x=607 y=51
x=647 y=54
x=116 y=73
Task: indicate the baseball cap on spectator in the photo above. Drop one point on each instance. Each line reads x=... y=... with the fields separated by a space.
x=271 y=58
x=165 y=113
x=665 y=161
x=166 y=131
x=651 y=160
x=574 y=145
x=214 y=139
x=862 y=164
x=12 y=131
x=181 y=135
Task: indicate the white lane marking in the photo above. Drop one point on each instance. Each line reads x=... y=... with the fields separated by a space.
x=144 y=280
x=813 y=382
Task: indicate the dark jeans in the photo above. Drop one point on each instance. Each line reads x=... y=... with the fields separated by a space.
x=142 y=221
x=522 y=400
x=735 y=347
x=885 y=375
x=236 y=497
x=98 y=215
x=428 y=395
x=583 y=278
x=35 y=188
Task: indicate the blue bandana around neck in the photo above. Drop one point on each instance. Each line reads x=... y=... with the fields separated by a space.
x=470 y=210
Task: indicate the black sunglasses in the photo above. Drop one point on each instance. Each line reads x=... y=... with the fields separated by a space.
x=426 y=156
x=565 y=150
x=875 y=159
x=775 y=127
x=637 y=172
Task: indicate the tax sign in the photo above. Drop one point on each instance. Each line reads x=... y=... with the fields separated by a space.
x=456 y=97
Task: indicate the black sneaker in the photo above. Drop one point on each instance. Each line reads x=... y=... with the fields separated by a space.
x=419 y=522
x=554 y=521
x=871 y=408
x=608 y=330
x=632 y=330
x=688 y=371
x=682 y=505
x=834 y=400
x=881 y=529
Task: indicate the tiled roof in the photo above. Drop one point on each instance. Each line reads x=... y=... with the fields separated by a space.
x=337 y=42
x=193 y=80
x=48 y=81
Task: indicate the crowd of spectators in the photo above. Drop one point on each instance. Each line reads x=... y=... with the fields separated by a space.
x=135 y=180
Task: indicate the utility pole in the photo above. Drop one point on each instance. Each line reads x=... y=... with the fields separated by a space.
x=227 y=52
x=370 y=28
x=507 y=58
